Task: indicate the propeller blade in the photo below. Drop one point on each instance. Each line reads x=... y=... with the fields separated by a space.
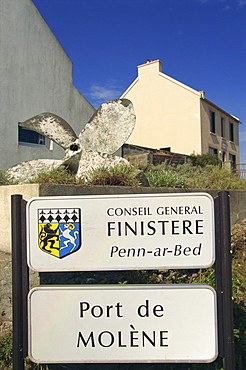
x=109 y=127
x=51 y=126
x=25 y=172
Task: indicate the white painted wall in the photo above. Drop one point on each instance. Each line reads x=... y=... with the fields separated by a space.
x=35 y=77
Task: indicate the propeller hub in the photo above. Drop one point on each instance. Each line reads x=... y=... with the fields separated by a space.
x=74 y=147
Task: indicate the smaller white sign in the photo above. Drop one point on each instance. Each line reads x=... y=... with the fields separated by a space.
x=140 y=231
x=131 y=323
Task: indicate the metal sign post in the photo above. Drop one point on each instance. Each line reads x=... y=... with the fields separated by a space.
x=20 y=281
x=223 y=277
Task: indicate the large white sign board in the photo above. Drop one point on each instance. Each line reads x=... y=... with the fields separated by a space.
x=140 y=231
x=151 y=323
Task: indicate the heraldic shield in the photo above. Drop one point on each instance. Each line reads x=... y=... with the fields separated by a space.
x=59 y=231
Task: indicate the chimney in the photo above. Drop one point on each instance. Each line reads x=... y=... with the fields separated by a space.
x=202 y=94
x=155 y=65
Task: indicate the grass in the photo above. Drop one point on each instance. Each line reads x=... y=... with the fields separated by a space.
x=55 y=176
x=121 y=175
x=194 y=177
x=166 y=176
x=5 y=179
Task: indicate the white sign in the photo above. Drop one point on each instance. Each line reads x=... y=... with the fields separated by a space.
x=110 y=323
x=140 y=231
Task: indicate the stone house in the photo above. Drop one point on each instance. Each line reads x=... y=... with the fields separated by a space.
x=35 y=77
x=174 y=117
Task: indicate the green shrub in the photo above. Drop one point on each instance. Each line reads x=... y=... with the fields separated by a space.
x=6 y=355
x=6 y=351
x=122 y=175
x=55 y=176
x=183 y=176
x=166 y=178
x=5 y=179
x=204 y=159
x=239 y=312
x=207 y=177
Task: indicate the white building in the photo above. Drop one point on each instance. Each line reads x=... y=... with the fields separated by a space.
x=35 y=77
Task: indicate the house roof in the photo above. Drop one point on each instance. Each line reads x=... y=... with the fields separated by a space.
x=222 y=110
x=199 y=93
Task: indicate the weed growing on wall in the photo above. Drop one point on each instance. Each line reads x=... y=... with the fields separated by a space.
x=194 y=177
x=5 y=180
x=6 y=351
x=55 y=176
x=166 y=176
x=122 y=175
x=203 y=160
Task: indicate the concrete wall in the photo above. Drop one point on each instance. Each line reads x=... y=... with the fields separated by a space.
x=36 y=77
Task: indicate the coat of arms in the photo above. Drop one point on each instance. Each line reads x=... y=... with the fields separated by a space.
x=59 y=231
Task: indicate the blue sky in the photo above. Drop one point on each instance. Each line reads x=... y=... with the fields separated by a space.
x=201 y=43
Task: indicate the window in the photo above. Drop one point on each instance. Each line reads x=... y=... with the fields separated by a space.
x=213 y=151
x=222 y=128
x=223 y=156
x=31 y=137
x=231 y=131
x=232 y=159
x=212 y=122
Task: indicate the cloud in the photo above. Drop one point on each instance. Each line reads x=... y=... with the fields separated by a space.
x=226 y=8
x=242 y=136
x=99 y=94
x=241 y=3
x=242 y=140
